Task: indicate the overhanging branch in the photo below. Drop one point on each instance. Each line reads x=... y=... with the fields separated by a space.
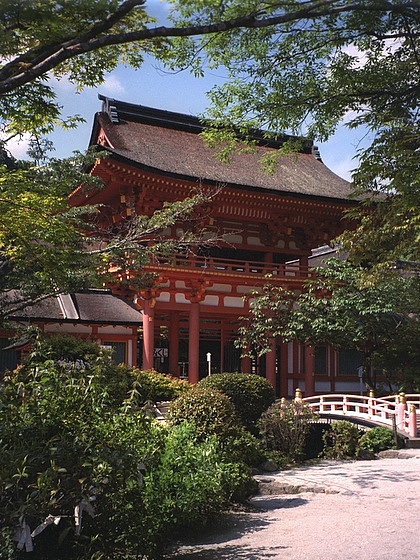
x=37 y=62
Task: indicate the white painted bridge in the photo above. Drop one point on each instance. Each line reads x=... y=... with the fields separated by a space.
x=400 y=412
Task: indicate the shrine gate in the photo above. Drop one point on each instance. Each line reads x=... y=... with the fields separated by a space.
x=265 y=222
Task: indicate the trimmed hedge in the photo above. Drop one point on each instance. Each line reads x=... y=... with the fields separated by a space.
x=213 y=414
x=209 y=410
x=250 y=394
x=149 y=385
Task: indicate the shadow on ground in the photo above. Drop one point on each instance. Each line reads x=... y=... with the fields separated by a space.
x=230 y=553
x=211 y=544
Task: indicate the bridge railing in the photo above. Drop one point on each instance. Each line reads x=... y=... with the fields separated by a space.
x=410 y=398
x=382 y=411
x=409 y=406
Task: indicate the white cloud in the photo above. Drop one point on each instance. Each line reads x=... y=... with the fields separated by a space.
x=62 y=84
x=389 y=47
x=112 y=85
x=359 y=55
x=18 y=146
x=343 y=168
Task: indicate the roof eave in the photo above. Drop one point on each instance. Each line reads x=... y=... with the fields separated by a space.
x=128 y=161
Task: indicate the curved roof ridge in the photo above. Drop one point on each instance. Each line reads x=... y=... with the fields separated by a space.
x=170 y=143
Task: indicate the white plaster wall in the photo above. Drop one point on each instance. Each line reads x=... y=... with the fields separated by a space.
x=230 y=301
x=211 y=300
x=130 y=352
x=180 y=298
x=322 y=386
x=164 y=296
x=254 y=241
x=114 y=330
x=348 y=387
x=223 y=288
x=245 y=289
x=69 y=328
x=230 y=238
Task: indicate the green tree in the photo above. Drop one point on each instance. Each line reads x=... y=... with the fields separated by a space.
x=308 y=66
x=47 y=247
x=347 y=308
x=291 y=66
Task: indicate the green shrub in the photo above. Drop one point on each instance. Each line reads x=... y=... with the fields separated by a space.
x=75 y=358
x=63 y=439
x=213 y=414
x=209 y=410
x=190 y=485
x=284 y=428
x=63 y=347
x=377 y=439
x=341 y=440
x=250 y=394
x=149 y=385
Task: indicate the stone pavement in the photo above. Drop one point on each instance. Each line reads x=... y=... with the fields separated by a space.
x=340 y=477
x=333 y=510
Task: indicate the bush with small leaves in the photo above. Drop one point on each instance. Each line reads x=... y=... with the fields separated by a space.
x=209 y=410
x=65 y=440
x=190 y=485
x=149 y=385
x=284 y=428
x=77 y=358
x=341 y=440
x=213 y=414
x=378 y=439
x=251 y=394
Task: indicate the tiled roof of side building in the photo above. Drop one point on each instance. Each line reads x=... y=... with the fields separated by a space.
x=170 y=144
x=93 y=306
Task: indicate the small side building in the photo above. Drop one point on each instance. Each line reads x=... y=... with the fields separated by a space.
x=95 y=315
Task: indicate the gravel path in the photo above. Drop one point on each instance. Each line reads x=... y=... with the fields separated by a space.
x=352 y=510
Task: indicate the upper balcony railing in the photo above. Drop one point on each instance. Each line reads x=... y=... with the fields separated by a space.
x=215 y=265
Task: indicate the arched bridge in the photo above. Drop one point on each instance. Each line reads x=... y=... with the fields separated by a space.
x=400 y=412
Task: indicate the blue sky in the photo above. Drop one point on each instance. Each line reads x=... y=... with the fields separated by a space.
x=181 y=92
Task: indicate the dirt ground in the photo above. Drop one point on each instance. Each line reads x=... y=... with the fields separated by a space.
x=352 y=510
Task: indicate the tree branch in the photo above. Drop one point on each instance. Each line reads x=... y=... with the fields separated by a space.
x=37 y=62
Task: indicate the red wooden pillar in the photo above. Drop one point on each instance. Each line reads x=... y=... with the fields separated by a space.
x=246 y=364
x=194 y=343
x=222 y=348
x=303 y=264
x=309 y=370
x=284 y=369
x=174 y=344
x=270 y=364
x=148 y=333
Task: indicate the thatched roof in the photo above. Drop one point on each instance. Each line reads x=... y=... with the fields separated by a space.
x=170 y=143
